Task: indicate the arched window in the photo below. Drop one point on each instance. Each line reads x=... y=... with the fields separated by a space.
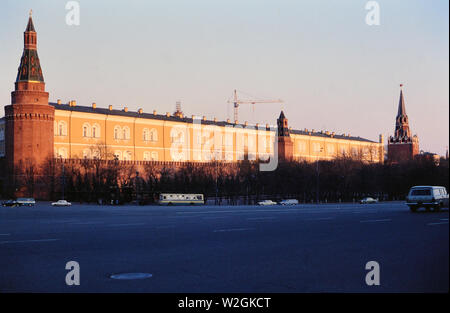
x=86 y=154
x=118 y=155
x=96 y=154
x=62 y=128
x=62 y=153
x=154 y=156
x=86 y=130
x=117 y=132
x=126 y=133
x=153 y=135
x=146 y=134
x=96 y=131
x=127 y=156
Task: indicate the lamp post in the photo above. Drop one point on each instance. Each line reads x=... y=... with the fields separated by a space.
x=63 y=179
x=317 y=172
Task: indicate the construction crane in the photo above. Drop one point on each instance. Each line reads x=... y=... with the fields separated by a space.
x=236 y=102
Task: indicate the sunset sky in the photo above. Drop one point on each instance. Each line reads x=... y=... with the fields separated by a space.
x=333 y=71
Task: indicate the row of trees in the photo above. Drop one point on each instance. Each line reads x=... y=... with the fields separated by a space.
x=341 y=179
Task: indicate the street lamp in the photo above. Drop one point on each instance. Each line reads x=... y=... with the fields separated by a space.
x=317 y=172
x=63 y=179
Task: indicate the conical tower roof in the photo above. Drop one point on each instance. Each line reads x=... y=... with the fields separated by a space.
x=30 y=67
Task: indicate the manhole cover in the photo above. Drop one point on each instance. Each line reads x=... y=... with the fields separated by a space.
x=131 y=276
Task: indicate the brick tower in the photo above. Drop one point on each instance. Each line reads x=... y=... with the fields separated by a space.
x=285 y=143
x=402 y=146
x=29 y=119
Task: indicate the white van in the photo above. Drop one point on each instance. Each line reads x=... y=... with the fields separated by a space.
x=427 y=197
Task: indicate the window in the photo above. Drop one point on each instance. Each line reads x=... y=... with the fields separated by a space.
x=118 y=155
x=62 y=153
x=145 y=135
x=154 y=156
x=343 y=150
x=2 y=134
x=153 y=135
x=62 y=128
x=177 y=135
x=330 y=149
x=420 y=192
x=317 y=147
x=127 y=156
x=146 y=156
x=86 y=153
x=365 y=152
x=96 y=154
x=96 y=131
x=302 y=147
x=117 y=132
x=354 y=151
x=86 y=130
x=126 y=133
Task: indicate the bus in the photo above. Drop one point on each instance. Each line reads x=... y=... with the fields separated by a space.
x=181 y=199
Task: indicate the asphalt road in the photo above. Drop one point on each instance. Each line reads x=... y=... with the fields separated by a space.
x=303 y=248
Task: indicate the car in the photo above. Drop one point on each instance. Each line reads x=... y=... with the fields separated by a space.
x=427 y=197
x=61 y=203
x=12 y=203
x=368 y=200
x=289 y=202
x=26 y=201
x=266 y=202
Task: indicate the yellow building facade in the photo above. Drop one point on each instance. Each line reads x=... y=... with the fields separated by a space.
x=90 y=132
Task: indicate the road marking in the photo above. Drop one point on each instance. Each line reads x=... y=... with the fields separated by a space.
x=376 y=221
x=213 y=217
x=260 y=218
x=24 y=241
x=231 y=229
x=129 y=224
x=438 y=223
x=320 y=219
x=444 y=219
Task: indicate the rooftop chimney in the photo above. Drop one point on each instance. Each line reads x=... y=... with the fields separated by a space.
x=94 y=105
x=140 y=111
x=58 y=101
x=110 y=107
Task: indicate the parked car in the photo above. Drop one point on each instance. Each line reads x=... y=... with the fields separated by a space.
x=289 y=202
x=12 y=203
x=61 y=203
x=266 y=202
x=26 y=201
x=368 y=200
x=427 y=197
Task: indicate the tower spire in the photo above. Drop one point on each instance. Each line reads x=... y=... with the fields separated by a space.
x=30 y=68
x=402 y=131
x=401 y=103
